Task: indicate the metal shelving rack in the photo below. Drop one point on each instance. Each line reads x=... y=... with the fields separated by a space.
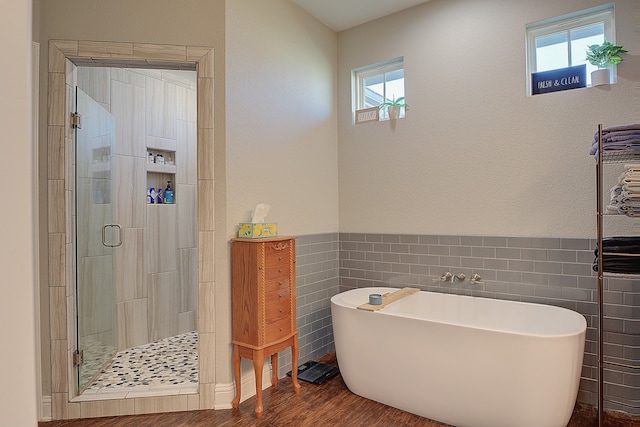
x=614 y=156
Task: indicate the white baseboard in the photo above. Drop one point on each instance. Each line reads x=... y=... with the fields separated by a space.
x=45 y=409
x=223 y=396
x=224 y=393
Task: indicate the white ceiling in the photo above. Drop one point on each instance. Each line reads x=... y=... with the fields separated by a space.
x=343 y=14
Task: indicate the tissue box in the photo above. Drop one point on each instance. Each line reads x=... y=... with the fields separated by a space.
x=256 y=230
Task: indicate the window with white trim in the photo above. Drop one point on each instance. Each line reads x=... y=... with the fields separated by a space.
x=562 y=41
x=378 y=83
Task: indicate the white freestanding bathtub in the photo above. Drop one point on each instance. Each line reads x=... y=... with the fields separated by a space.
x=464 y=361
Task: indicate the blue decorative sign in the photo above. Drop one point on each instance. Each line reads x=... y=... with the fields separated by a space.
x=560 y=79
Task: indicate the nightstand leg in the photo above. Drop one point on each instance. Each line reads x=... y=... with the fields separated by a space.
x=258 y=365
x=236 y=373
x=274 y=370
x=294 y=365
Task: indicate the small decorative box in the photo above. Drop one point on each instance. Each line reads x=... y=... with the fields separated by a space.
x=256 y=230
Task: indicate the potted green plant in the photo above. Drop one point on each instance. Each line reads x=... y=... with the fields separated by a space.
x=602 y=56
x=393 y=107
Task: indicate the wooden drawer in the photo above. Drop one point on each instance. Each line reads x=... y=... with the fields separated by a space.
x=278 y=253
x=279 y=272
x=277 y=328
x=276 y=309
x=277 y=257
x=273 y=286
x=277 y=297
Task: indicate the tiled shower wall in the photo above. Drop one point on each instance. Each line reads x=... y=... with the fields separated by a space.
x=156 y=294
x=553 y=271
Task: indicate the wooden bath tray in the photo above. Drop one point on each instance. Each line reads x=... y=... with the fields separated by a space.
x=388 y=298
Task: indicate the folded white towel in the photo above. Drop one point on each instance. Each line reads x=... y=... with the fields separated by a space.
x=615 y=128
x=615 y=191
x=630 y=195
x=629 y=203
x=629 y=207
x=610 y=209
x=627 y=174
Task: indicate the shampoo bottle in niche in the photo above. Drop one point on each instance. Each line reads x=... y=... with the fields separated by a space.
x=168 y=193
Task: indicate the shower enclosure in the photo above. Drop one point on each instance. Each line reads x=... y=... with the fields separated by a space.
x=136 y=262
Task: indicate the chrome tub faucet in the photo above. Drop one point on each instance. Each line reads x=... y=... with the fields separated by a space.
x=475 y=279
x=458 y=278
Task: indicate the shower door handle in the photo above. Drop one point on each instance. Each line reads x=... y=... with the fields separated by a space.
x=104 y=235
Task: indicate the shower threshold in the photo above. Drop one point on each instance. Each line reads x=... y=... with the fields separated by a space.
x=162 y=368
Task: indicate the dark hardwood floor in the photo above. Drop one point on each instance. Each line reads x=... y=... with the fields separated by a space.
x=329 y=404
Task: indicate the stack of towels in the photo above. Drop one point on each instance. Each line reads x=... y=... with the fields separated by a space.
x=616 y=138
x=625 y=195
x=620 y=255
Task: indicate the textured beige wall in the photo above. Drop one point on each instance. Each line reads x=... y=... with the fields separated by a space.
x=281 y=118
x=17 y=314
x=475 y=155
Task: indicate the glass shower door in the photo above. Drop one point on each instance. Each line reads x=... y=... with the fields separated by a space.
x=95 y=238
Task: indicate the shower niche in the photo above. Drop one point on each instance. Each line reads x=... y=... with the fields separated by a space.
x=161 y=169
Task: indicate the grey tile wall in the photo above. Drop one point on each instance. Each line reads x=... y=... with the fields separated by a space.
x=317 y=280
x=553 y=271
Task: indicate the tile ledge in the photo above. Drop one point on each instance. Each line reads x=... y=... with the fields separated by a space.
x=112 y=395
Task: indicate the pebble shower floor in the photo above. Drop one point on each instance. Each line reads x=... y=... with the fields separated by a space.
x=168 y=363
